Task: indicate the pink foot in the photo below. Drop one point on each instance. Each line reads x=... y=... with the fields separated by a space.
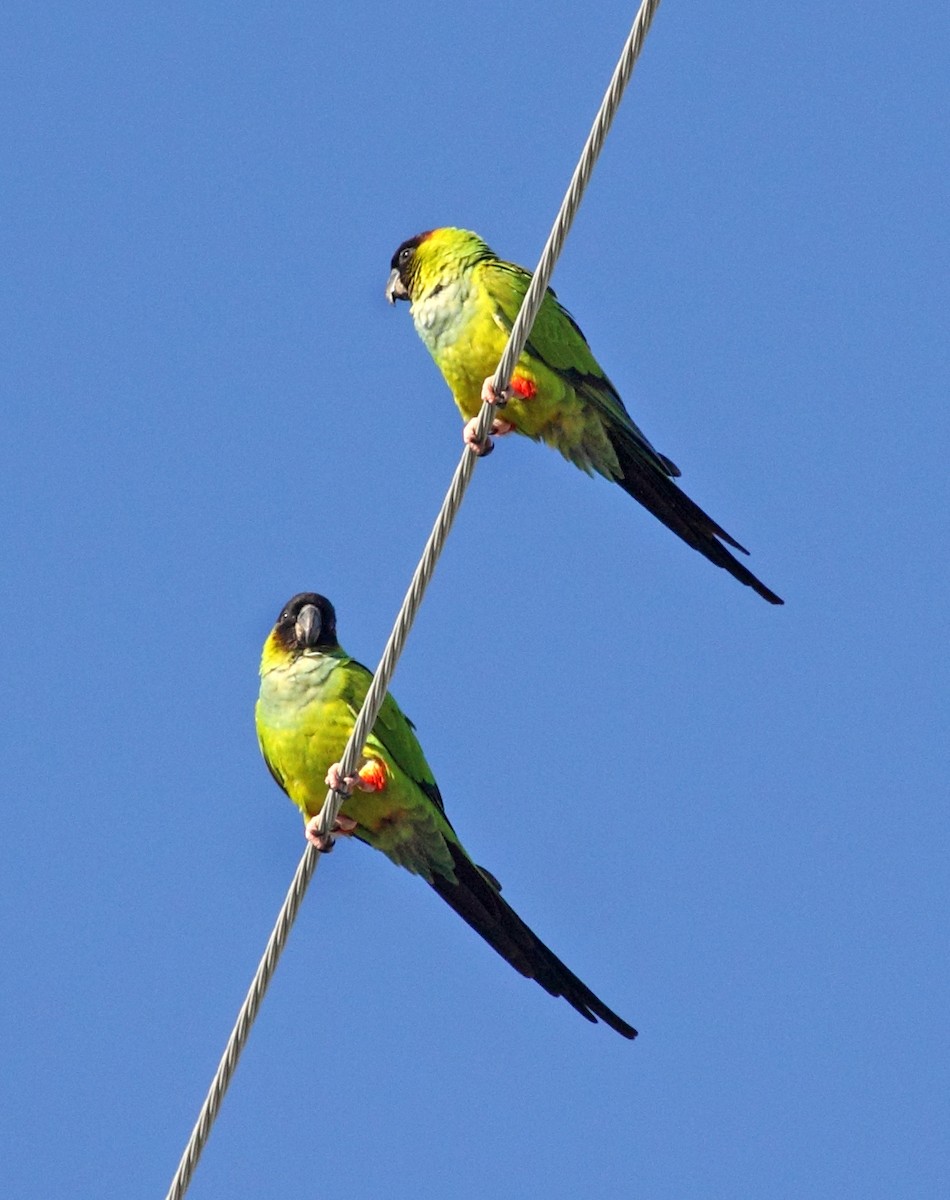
x=344 y=825
x=337 y=783
x=469 y=436
x=490 y=396
x=371 y=778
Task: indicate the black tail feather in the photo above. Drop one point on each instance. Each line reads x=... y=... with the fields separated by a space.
x=479 y=904
x=686 y=519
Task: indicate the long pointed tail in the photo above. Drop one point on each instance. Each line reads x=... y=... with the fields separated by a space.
x=687 y=520
x=478 y=902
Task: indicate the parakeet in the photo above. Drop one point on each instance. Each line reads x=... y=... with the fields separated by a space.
x=311 y=691
x=464 y=300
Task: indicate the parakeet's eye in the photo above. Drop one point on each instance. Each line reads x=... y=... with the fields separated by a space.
x=405 y=254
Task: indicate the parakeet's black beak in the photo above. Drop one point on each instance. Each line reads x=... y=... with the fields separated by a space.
x=308 y=625
x=395 y=288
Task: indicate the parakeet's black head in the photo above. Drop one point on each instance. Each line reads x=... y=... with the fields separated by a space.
x=404 y=266
x=425 y=264
x=307 y=622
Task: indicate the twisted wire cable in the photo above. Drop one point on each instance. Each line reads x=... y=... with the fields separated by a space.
x=519 y=335
x=366 y=719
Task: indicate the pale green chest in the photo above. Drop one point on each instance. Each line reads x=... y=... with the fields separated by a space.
x=458 y=329
x=303 y=725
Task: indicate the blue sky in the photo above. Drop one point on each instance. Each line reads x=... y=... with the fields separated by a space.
x=729 y=820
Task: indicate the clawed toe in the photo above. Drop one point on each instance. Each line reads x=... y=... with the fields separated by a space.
x=325 y=842
x=340 y=783
x=490 y=396
x=499 y=428
x=470 y=438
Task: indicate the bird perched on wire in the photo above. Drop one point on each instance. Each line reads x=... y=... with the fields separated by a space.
x=311 y=691
x=464 y=301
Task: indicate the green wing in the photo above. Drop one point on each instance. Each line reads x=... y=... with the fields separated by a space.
x=393 y=732
x=556 y=338
x=396 y=733
x=406 y=821
x=557 y=341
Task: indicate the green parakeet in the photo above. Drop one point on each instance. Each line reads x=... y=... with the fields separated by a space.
x=311 y=692
x=464 y=300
